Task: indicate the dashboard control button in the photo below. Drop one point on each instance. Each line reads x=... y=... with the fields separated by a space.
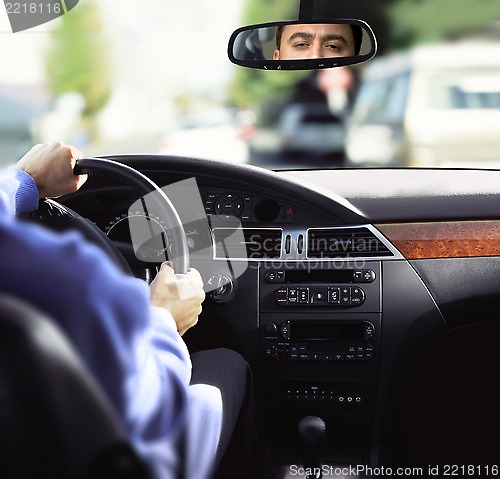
x=285 y=330
x=293 y=297
x=357 y=276
x=281 y=296
x=225 y=204
x=357 y=296
x=210 y=201
x=319 y=297
x=364 y=276
x=368 y=276
x=369 y=330
x=246 y=215
x=345 y=296
x=289 y=214
x=334 y=296
x=303 y=295
x=369 y=352
x=271 y=277
x=238 y=206
x=228 y=206
x=271 y=329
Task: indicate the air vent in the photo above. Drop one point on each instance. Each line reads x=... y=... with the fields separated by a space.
x=344 y=243
x=251 y=243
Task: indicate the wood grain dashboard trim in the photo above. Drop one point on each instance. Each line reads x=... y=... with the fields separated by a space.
x=454 y=239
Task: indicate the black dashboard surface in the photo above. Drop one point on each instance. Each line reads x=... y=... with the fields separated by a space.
x=410 y=194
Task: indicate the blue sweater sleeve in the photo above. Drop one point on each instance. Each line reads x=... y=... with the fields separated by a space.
x=133 y=350
x=18 y=192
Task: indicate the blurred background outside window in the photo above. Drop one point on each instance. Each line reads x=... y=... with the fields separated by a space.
x=153 y=77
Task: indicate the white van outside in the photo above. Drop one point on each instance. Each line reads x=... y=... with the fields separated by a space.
x=432 y=106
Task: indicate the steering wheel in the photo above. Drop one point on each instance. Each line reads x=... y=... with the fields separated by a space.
x=159 y=201
x=163 y=207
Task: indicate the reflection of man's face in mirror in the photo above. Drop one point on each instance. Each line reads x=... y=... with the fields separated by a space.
x=304 y=42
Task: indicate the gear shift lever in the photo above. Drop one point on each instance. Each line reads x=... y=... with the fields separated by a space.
x=312 y=432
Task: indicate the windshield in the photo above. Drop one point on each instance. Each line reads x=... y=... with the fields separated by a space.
x=153 y=76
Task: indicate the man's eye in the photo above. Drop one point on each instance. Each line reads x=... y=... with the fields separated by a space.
x=332 y=46
x=300 y=45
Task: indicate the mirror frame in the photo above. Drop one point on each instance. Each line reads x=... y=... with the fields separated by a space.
x=304 y=64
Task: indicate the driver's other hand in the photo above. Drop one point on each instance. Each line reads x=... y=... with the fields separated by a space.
x=51 y=166
x=181 y=294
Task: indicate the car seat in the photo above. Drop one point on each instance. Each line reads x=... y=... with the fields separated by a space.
x=55 y=422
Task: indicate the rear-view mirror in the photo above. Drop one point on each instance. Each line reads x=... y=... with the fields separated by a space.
x=297 y=45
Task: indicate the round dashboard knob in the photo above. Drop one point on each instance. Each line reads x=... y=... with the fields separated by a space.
x=219 y=287
x=271 y=329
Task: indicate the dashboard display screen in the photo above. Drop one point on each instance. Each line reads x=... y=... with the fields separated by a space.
x=327 y=330
x=319 y=276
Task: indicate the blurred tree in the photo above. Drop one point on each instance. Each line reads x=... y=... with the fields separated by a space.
x=416 y=21
x=76 y=60
x=375 y=13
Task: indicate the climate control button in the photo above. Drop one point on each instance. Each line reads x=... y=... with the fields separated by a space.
x=319 y=296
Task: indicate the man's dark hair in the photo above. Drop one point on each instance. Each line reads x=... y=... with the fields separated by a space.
x=279 y=34
x=357 y=33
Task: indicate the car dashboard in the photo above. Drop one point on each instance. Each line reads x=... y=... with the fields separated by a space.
x=344 y=291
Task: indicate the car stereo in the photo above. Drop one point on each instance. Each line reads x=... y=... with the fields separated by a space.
x=320 y=341
x=320 y=329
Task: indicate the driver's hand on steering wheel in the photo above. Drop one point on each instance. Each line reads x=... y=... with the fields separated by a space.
x=51 y=167
x=181 y=294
